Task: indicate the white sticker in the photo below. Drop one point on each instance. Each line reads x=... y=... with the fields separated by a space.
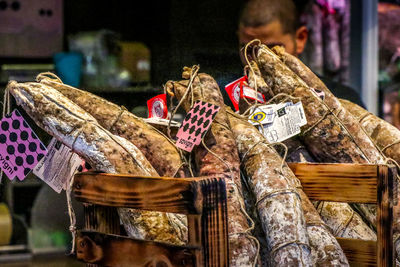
x=251 y=94
x=287 y=120
x=58 y=166
x=297 y=112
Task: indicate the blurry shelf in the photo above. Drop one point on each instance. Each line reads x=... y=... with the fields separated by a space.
x=140 y=89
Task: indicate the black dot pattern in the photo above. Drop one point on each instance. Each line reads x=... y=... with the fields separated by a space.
x=196 y=124
x=20 y=149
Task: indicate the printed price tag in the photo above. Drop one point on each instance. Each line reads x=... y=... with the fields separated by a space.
x=195 y=125
x=58 y=166
x=157 y=107
x=20 y=148
x=287 y=120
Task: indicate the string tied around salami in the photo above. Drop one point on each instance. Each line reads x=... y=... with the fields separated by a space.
x=47 y=75
x=250 y=67
x=168 y=86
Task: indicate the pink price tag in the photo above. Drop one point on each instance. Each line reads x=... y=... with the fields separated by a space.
x=196 y=124
x=20 y=148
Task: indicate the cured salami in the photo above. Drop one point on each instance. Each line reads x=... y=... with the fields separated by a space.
x=385 y=135
x=219 y=156
x=78 y=130
x=162 y=154
x=363 y=141
x=325 y=135
x=280 y=204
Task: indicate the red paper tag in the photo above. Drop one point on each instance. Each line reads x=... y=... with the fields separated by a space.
x=195 y=126
x=20 y=148
x=233 y=90
x=250 y=93
x=157 y=107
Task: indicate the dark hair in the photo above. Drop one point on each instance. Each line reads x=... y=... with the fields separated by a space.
x=261 y=12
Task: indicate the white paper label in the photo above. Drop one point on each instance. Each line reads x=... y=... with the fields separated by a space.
x=287 y=120
x=251 y=93
x=58 y=166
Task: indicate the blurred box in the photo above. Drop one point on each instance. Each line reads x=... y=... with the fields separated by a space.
x=135 y=57
x=31 y=28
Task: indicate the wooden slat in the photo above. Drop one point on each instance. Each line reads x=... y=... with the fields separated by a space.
x=359 y=252
x=114 y=250
x=214 y=224
x=194 y=236
x=385 y=217
x=178 y=195
x=340 y=182
x=101 y=219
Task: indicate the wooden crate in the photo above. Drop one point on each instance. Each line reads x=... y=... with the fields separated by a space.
x=356 y=183
x=203 y=200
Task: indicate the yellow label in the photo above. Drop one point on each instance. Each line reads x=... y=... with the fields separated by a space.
x=258 y=116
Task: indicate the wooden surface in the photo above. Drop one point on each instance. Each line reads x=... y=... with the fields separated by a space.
x=385 y=216
x=46 y=261
x=214 y=224
x=351 y=183
x=359 y=252
x=202 y=199
x=114 y=250
x=178 y=195
x=355 y=183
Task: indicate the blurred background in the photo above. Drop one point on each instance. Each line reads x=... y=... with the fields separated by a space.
x=125 y=51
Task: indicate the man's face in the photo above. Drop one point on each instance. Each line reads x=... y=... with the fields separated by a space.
x=269 y=34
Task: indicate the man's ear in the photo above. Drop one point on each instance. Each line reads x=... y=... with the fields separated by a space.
x=301 y=39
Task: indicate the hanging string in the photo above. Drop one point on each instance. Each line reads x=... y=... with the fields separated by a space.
x=47 y=76
x=249 y=66
x=193 y=73
x=68 y=192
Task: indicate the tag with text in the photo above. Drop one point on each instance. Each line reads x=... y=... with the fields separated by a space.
x=58 y=166
x=157 y=107
x=195 y=125
x=20 y=148
x=287 y=120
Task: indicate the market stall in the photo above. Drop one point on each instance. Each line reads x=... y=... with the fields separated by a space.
x=275 y=167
